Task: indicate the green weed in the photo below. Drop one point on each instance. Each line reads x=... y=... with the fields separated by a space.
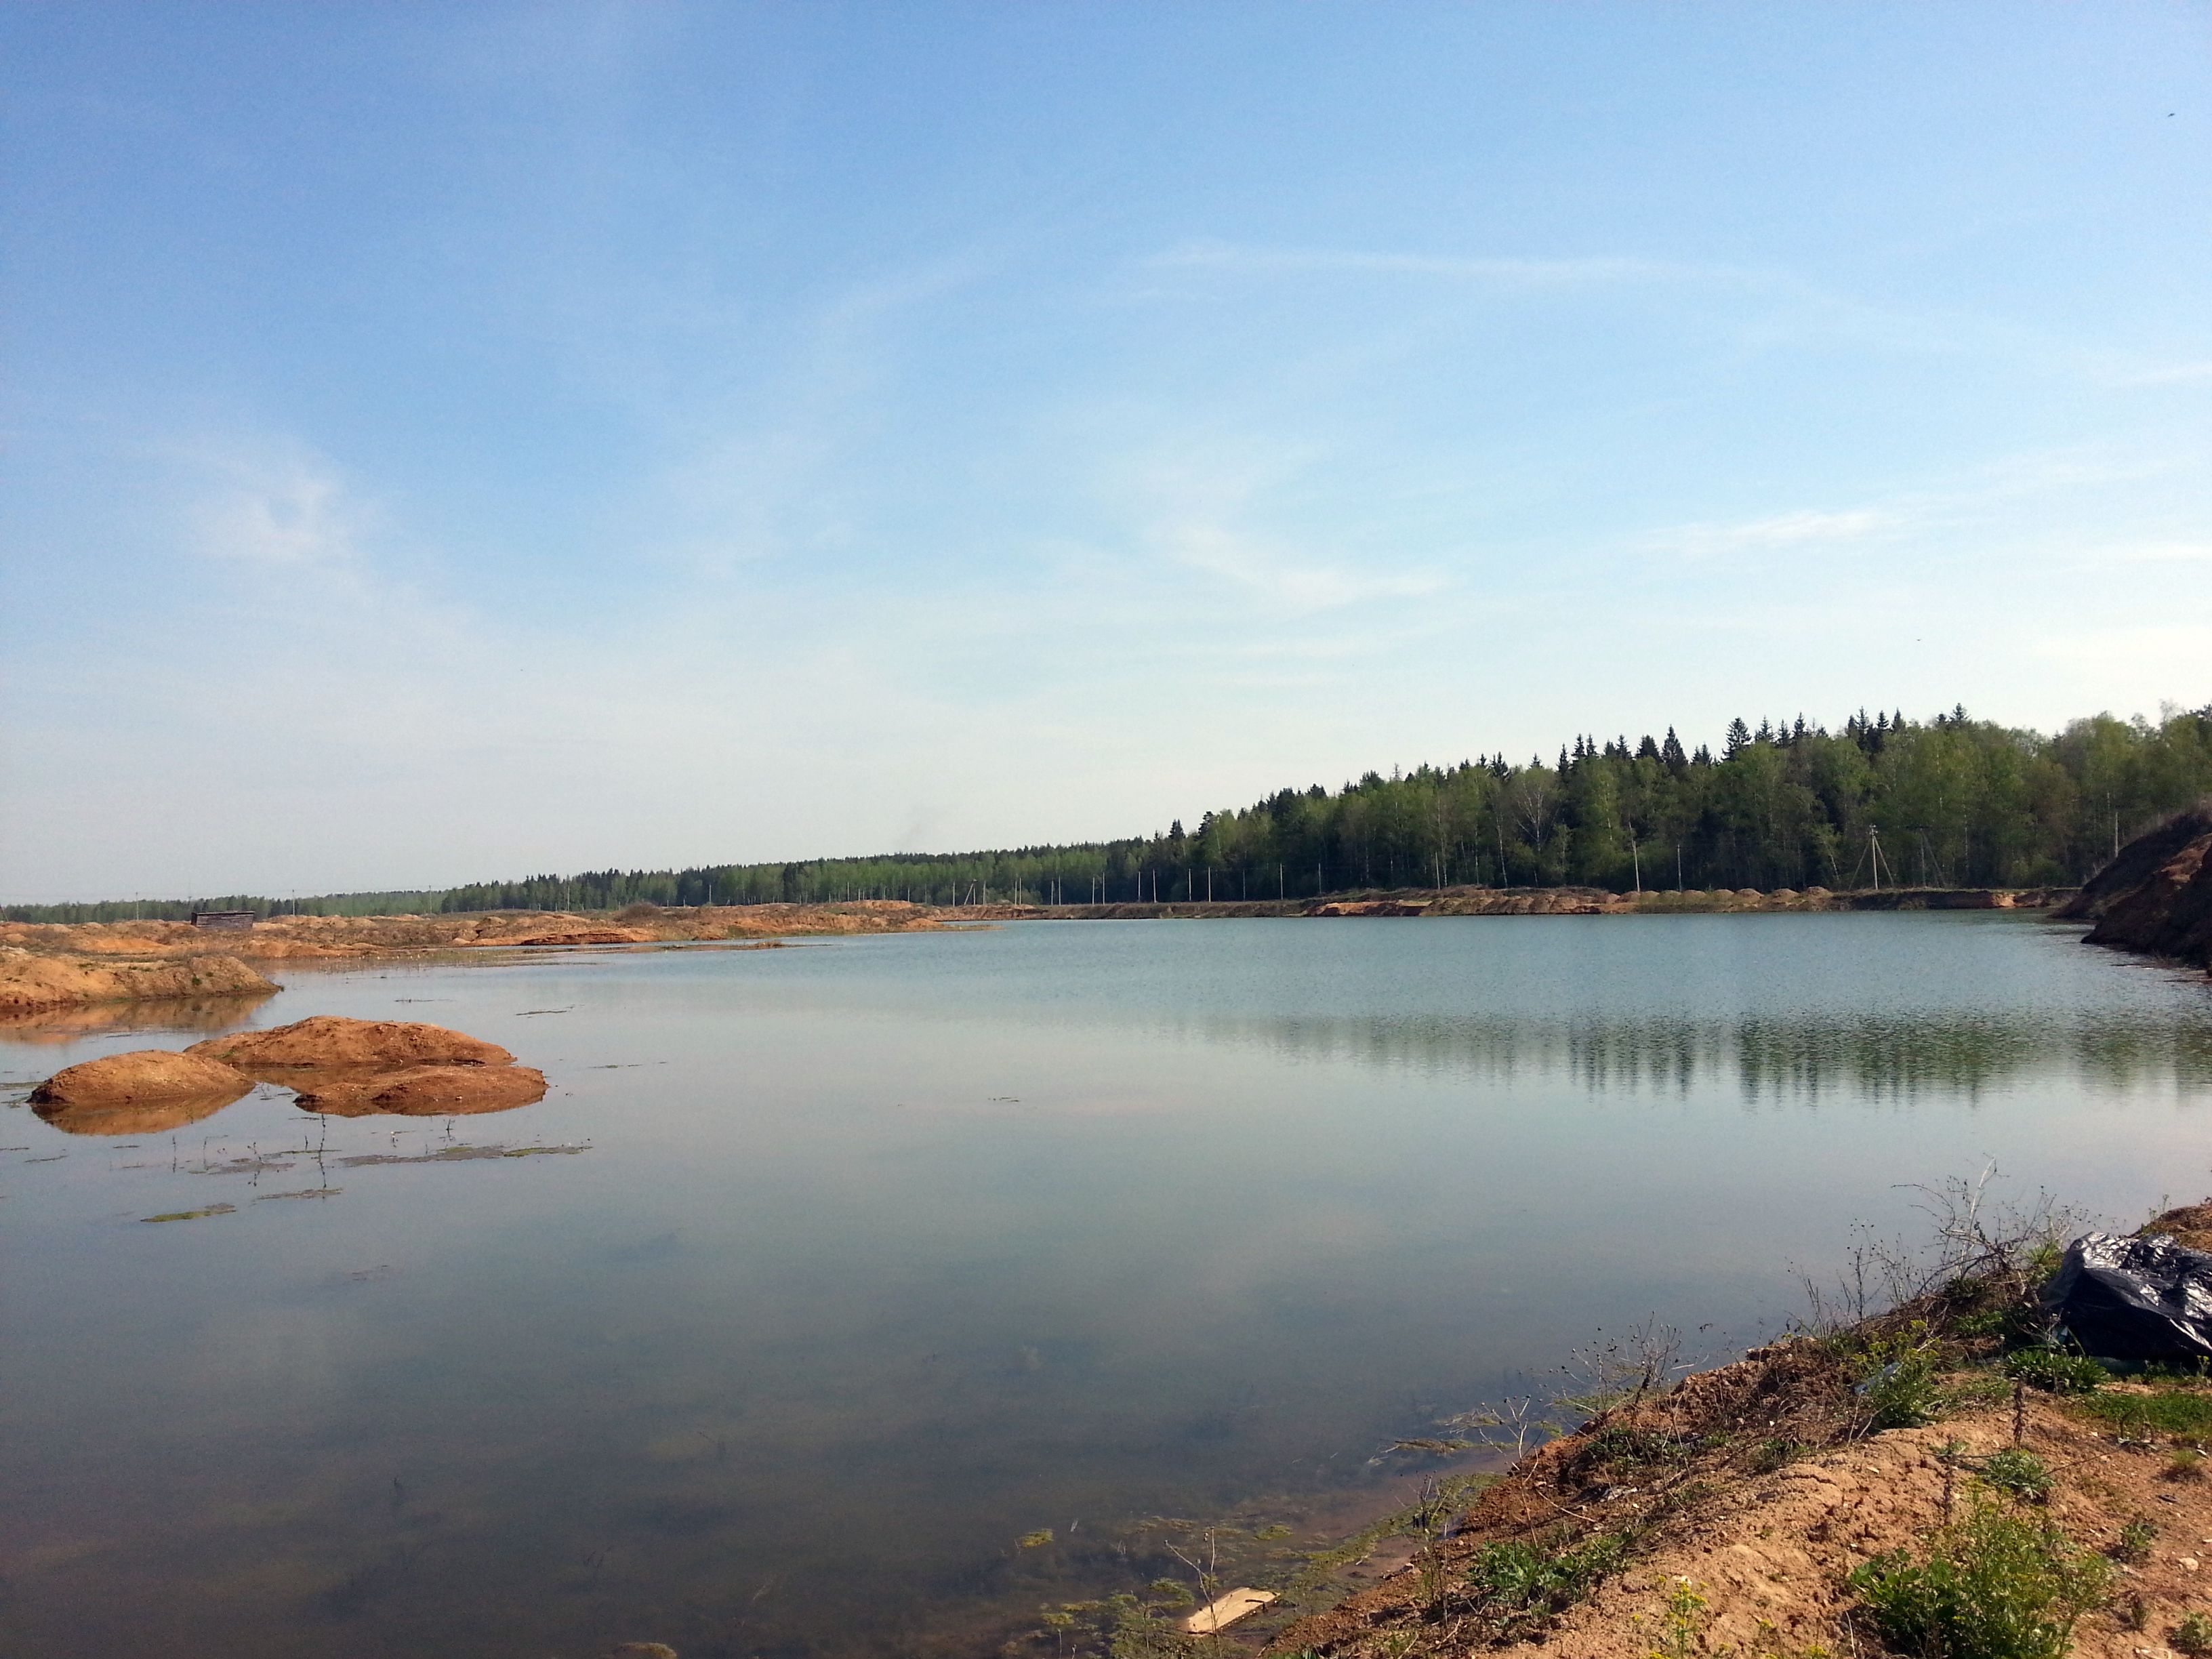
x=2192 y=1636
x=2055 y=1371
x=2133 y=1543
x=1679 y=1629
x=1636 y=1449
x=1768 y=1456
x=1520 y=1584
x=1996 y=1586
x=1976 y=1388
x=2018 y=1474
x=1900 y=1382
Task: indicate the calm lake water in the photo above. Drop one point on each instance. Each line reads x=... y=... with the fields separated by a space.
x=879 y=1254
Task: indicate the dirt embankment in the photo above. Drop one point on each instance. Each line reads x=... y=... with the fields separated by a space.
x=48 y=966
x=1726 y=1515
x=337 y=937
x=36 y=979
x=2155 y=896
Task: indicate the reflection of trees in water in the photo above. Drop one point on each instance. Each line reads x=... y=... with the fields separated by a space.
x=1801 y=1056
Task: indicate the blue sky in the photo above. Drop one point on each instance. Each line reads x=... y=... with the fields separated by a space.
x=444 y=442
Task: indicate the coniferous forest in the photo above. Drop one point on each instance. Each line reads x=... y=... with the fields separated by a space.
x=1946 y=802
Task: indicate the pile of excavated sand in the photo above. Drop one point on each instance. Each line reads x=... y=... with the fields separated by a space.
x=358 y=1067
x=32 y=979
x=346 y=1067
x=140 y=1093
x=327 y=1041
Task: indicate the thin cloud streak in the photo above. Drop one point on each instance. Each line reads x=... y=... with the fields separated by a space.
x=1779 y=532
x=2175 y=375
x=1206 y=254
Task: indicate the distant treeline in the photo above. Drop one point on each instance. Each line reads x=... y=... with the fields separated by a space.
x=1952 y=801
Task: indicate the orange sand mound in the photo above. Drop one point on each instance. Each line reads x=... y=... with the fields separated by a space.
x=328 y=1041
x=144 y=1075
x=31 y=979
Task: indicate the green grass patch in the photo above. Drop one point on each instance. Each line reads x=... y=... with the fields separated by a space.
x=2180 y=1413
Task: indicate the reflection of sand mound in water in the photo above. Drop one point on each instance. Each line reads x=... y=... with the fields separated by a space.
x=195 y=1014
x=327 y=1041
x=137 y=1120
x=424 y=1091
x=138 y=1093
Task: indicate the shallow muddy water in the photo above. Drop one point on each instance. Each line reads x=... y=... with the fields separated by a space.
x=833 y=1272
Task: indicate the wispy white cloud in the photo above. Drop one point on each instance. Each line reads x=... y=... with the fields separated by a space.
x=1777 y=306
x=2170 y=375
x=2157 y=552
x=1281 y=575
x=1208 y=509
x=1510 y=269
x=1779 y=532
x=273 y=505
x=1967 y=508
x=764 y=481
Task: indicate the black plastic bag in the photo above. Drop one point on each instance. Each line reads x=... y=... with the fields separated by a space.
x=2135 y=1298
